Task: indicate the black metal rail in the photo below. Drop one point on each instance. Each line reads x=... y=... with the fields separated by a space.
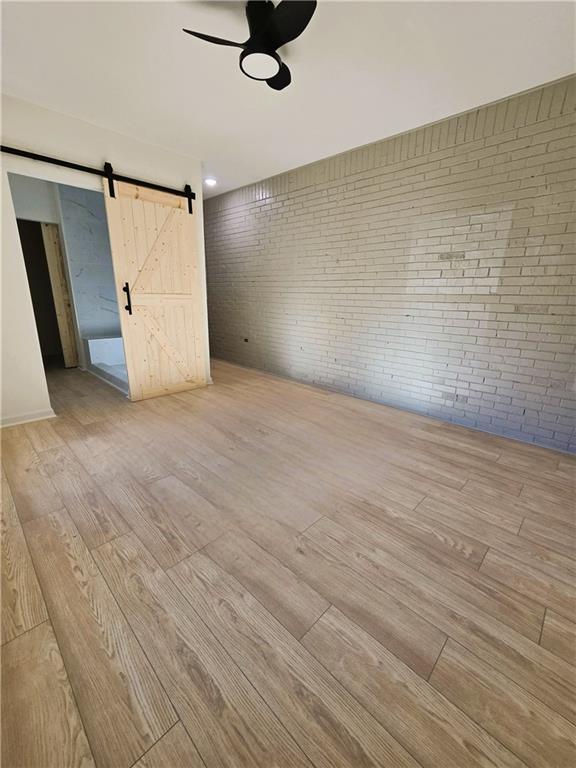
x=106 y=172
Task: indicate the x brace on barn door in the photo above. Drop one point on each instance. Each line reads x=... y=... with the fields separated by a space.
x=107 y=172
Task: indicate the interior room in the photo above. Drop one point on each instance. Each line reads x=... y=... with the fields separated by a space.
x=287 y=384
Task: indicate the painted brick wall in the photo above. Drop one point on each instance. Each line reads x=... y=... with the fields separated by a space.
x=433 y=271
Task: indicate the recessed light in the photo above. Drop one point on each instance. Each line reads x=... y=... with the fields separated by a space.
x=210 y=182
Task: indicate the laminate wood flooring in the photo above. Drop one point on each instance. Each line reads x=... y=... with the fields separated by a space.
x=263 y=574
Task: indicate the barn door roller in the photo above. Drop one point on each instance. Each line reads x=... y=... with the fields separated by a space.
x=109 y=173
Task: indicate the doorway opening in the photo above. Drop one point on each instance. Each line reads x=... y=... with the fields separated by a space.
x=129 y=260
x=64 y=235
x=41 y=292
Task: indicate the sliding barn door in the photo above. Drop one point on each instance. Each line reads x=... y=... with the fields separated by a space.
x=158 y=277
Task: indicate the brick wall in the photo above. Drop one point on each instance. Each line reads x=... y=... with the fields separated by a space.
x=433 y=271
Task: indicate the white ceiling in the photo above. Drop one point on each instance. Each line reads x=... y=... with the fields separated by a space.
x=362 y=71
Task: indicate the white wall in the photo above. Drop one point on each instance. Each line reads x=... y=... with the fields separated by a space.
x=24 y=391
x=34 y=199
x=26 y=126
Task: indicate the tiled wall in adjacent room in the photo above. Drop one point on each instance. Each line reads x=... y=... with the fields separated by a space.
x=432 y=271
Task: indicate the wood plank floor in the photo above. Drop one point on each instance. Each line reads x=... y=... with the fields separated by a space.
x=264 y=574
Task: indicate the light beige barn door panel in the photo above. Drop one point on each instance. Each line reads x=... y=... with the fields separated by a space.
x=153 y=240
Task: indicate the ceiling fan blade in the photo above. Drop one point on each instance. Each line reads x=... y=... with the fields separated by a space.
x=211 y=39
x=280 y=80
x=257 y=14
x=288 y=20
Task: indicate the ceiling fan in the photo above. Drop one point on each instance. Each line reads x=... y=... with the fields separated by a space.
x=270 y=28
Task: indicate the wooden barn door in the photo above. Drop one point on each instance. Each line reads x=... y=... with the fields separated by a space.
x=155 y=257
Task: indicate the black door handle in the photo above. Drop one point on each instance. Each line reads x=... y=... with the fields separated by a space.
x=128 y=306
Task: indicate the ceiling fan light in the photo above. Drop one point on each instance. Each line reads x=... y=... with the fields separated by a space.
x=259 y=65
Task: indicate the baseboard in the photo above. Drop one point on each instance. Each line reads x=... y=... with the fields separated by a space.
x=108 y=379
x=24 y=418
